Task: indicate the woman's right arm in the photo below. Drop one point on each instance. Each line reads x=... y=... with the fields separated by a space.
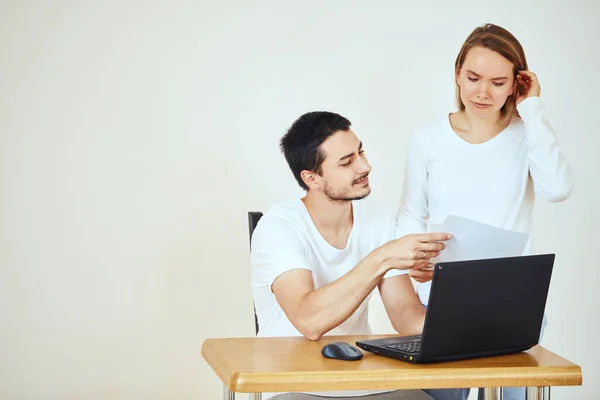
x=413 y=210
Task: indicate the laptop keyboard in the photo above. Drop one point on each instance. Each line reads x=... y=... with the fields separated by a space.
x=407 y=347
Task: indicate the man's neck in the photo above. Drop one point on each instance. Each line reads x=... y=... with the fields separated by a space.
x=333 y=219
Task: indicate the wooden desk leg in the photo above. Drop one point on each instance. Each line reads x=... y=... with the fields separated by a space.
x=537 y=393
x=492 y=393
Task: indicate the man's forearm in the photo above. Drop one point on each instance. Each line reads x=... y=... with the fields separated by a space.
x=329 y=306
x=410 y=320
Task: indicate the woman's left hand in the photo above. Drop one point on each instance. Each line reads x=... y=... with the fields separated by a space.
x=421 y=275
x=527 y=86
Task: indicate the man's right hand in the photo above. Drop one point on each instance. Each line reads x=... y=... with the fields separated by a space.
x=411 y=251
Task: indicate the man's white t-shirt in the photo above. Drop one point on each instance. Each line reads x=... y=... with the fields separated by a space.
x=286 y=238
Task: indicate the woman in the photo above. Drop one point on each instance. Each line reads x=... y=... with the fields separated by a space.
x=487 y=160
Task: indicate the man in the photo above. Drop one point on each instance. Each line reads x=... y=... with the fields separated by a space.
x=316 y=260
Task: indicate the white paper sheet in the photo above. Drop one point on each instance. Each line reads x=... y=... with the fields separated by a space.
x=472 y=240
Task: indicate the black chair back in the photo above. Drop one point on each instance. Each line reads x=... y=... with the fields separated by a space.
x=253 y=218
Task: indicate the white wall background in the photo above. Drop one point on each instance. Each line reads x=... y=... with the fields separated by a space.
x=135 y=136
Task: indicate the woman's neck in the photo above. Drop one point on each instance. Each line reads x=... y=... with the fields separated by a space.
x=475 y=129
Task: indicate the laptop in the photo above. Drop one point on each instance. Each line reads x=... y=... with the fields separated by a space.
x=477 y=308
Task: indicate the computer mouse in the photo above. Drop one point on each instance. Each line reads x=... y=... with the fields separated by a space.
x=341 y=351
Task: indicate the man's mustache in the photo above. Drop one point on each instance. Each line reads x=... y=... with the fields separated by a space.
x=364 y=176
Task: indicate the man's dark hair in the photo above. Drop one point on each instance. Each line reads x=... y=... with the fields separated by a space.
x=301 y=144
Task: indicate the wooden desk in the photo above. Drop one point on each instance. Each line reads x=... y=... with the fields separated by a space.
x=257 y=365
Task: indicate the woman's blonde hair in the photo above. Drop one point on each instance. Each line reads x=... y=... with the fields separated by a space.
x=503 y=42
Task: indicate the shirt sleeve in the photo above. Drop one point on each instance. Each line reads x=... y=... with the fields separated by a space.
x=548 y=167
x=413 y=208
x=277 y=247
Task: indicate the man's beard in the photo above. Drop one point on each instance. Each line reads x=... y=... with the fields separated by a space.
x=341 y=195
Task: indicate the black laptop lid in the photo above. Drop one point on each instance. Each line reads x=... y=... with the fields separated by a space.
x=486 y=305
